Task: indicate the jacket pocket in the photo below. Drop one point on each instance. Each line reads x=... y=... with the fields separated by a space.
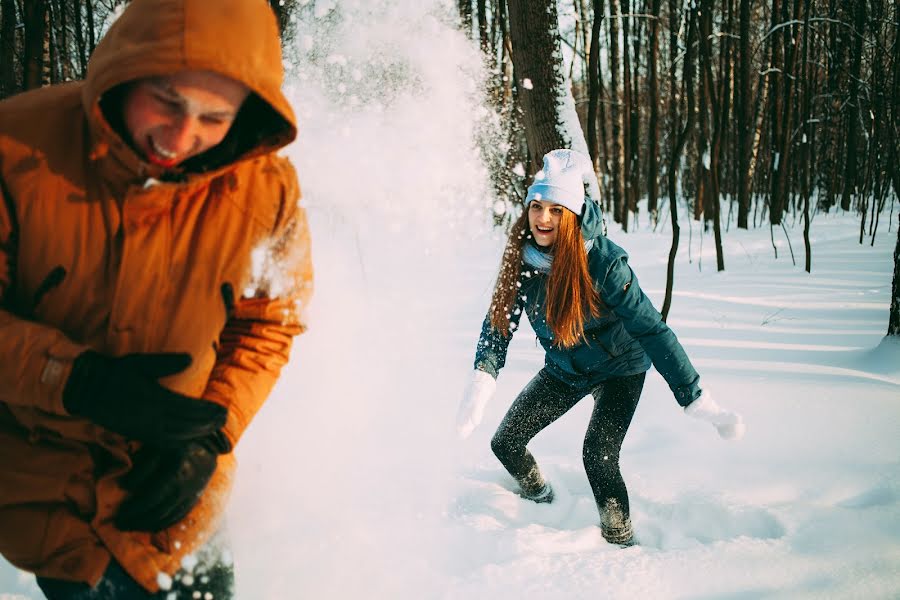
x=603 y=339
x=32 y=481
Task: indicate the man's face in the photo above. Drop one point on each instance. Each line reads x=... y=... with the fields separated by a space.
x=173 y=118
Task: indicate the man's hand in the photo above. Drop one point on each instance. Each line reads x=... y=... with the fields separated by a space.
x=166 y=483
x=123 y=395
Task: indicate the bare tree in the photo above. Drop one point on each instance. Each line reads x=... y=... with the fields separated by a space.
x=894 y=156
x=678 y=136
x=594 y=81
x=35 y=18
x=850 y=174
x=806 y=141
x=629 y=115
x=711 y=115
x=653 y=124
x=744 y=115
x=616 y=115
x=894 y=317
x=8 y=85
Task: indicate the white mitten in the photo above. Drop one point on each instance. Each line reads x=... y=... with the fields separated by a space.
x=730 y=425
x=471 y=410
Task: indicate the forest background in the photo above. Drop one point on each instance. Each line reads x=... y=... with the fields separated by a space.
x=770 y=110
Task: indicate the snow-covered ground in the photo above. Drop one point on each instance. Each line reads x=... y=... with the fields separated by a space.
x=353 y=484
x=352 y=481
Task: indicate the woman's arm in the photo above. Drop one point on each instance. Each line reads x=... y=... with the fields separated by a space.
x=622 y=294
x=490 y=354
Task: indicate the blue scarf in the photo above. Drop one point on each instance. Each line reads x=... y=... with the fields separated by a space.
x=542 y=261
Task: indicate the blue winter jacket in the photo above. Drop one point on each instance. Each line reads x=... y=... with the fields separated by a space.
x=624 y=340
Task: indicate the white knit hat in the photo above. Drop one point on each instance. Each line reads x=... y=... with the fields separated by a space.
x=562 y=179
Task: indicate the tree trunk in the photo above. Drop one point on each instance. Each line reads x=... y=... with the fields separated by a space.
x=465 y=15
x=482 y=27
x=806 y=141
x=894 y=317
x=8 y=84
x=92 y=36
x=627 y=140
x=35 y=34
x=744 y=134
x=679 y=138
x=546 y=96
x=850 y=174
x=80 y=39
x=620 y=211
x=634 y=115
x=581 y=7
x=776 y=113
x=594 y=81
x=723 y=109
x=894 y=162
x=653 y=125
x=49 y=62
x=833 y=134
x=710 y=116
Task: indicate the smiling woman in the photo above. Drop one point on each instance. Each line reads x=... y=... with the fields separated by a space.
x=600 y=334
x=543 y=219
x=171 y=119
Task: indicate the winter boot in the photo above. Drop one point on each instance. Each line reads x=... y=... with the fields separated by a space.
x=615 y=525
x=534 y=488
x=543 y=496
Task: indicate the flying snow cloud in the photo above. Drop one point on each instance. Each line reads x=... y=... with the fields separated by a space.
x=389 y=100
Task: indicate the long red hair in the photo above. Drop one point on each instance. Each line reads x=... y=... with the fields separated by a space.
x=570 y=291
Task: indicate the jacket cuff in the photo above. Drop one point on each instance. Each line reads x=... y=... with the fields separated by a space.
x=686 y=394
x=51 y=375
x=488 y=368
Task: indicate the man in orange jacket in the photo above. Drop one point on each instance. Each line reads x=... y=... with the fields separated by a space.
x=154 y=268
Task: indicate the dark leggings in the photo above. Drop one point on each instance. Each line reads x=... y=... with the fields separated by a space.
x=543 y=401
x=210 y=576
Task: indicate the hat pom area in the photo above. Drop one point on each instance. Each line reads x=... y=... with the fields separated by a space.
x=562 y=179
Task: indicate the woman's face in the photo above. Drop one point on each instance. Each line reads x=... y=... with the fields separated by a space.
x=171 y=119
x=543 y=220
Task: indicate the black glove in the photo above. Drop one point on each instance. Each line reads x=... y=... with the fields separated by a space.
x=123 y=395
x=166 y=483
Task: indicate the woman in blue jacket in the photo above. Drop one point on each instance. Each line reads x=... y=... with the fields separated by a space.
x=600 y=334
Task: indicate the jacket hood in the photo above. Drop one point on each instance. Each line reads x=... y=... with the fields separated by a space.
x=593 y=225
x=235 y=38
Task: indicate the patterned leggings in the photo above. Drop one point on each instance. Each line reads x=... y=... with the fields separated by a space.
x=544 y=400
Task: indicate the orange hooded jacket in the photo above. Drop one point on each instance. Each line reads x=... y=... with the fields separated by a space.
x=99 y=249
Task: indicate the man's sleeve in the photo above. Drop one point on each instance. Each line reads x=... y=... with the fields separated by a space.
x=256 y=341
x=35 y=360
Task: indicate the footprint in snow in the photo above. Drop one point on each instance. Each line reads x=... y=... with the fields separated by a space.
x=489 y=501
x=700 y=519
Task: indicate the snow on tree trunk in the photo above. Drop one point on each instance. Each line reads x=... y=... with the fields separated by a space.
x=544 y=88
